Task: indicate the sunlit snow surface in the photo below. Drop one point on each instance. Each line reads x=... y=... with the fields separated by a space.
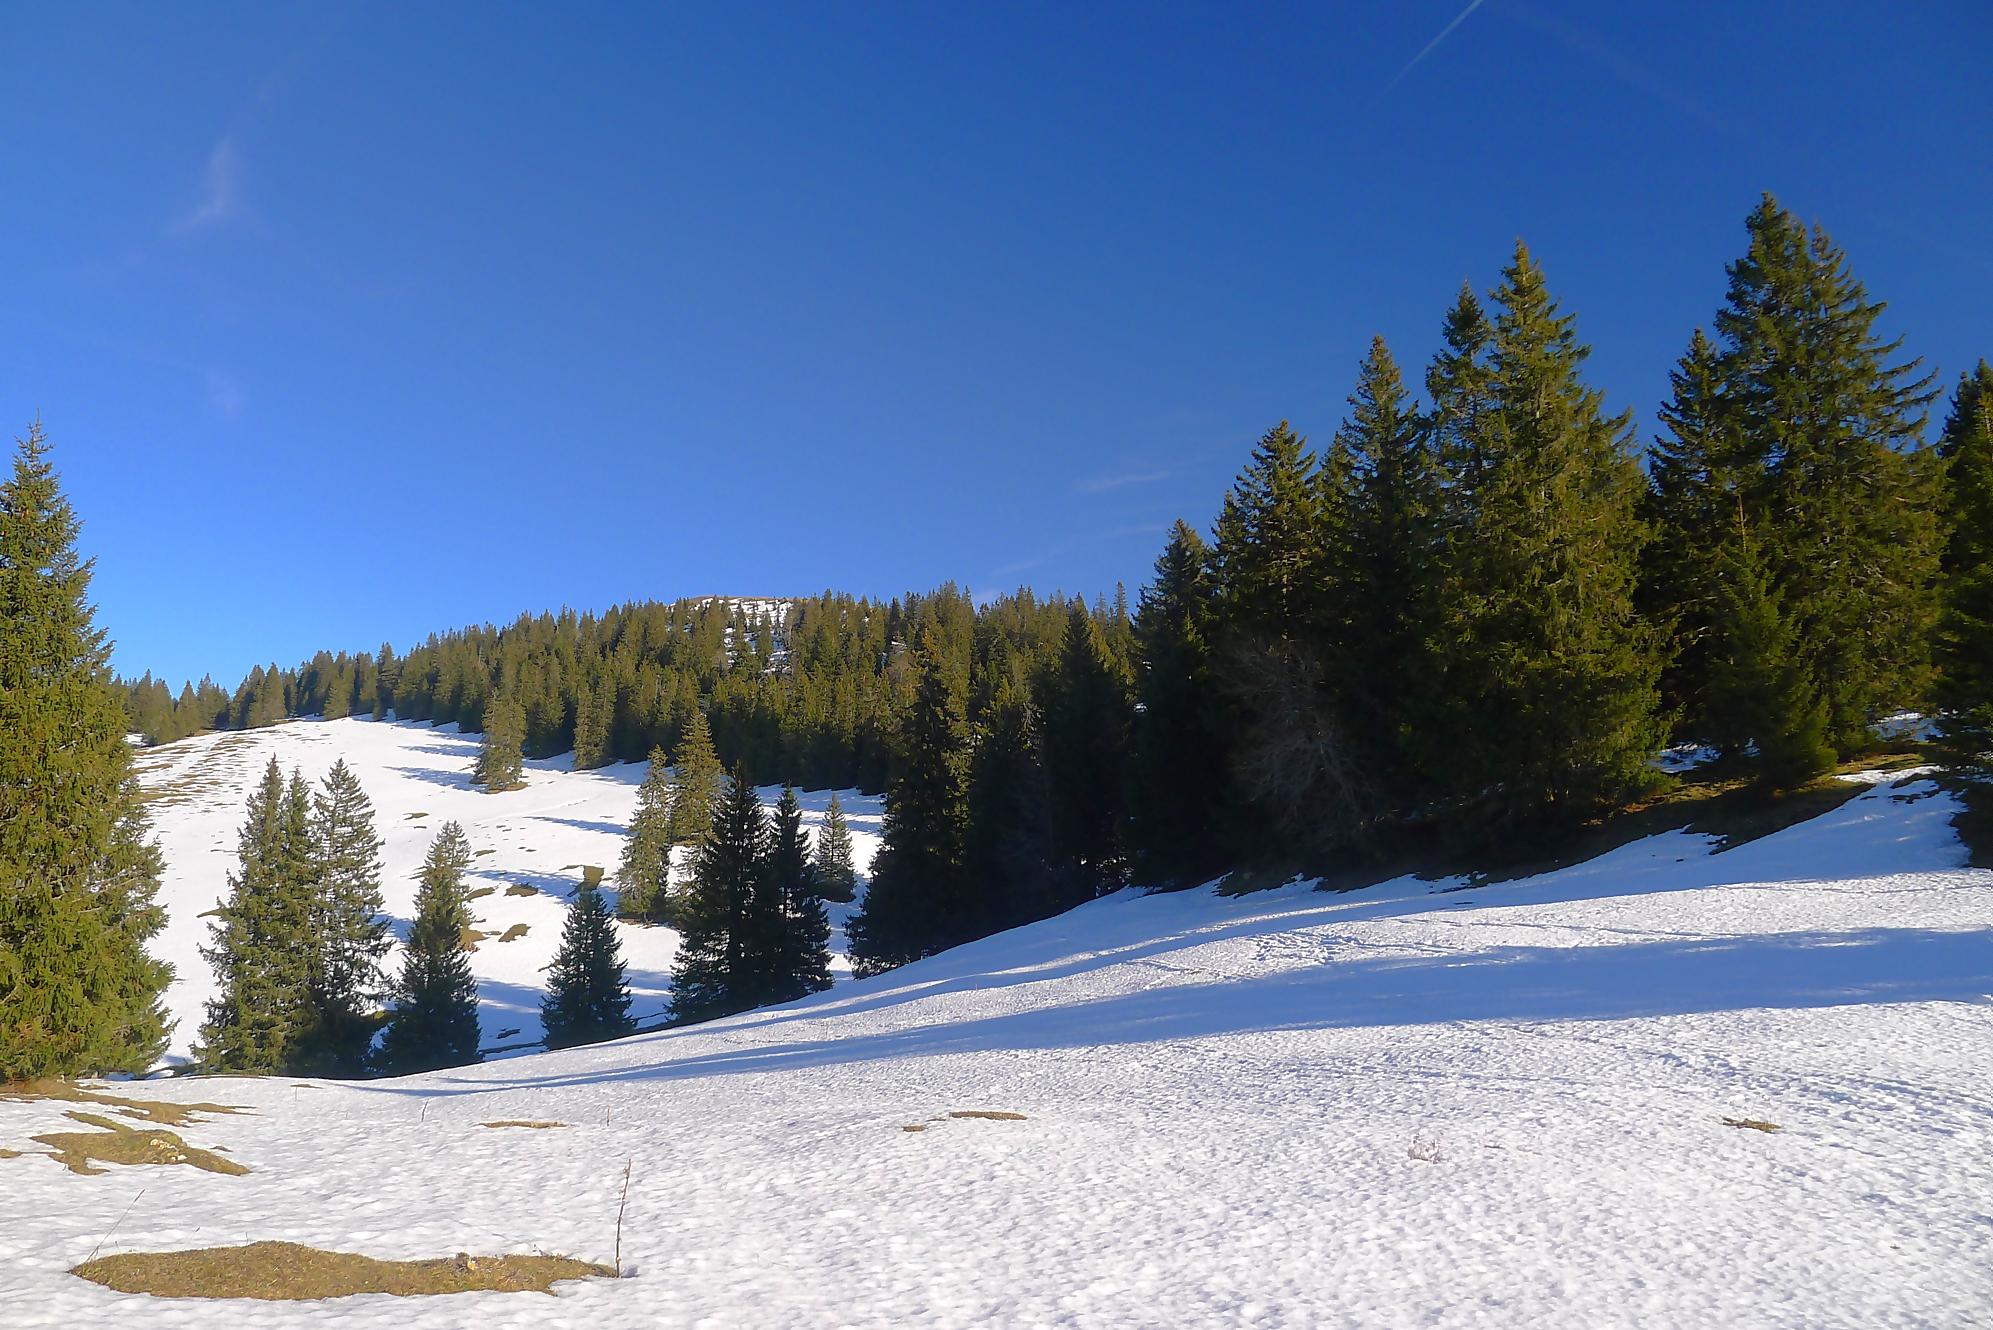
x=1414 y=1105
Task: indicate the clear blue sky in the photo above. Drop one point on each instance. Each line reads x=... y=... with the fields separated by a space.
x=355 y=321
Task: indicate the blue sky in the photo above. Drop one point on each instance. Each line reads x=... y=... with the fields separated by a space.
x=354 y=322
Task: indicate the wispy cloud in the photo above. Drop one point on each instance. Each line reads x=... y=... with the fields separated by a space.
x=1065 y=547
x=1119 y=480
x=1432 y=45
x=221 y=191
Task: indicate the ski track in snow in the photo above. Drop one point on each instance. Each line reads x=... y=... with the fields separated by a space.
x=1233 y=1111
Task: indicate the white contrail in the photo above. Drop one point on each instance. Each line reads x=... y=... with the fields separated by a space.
x=1444 y=33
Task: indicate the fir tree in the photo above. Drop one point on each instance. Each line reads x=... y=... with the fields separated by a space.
x=1269 y=541
x=1545 y=649
x=78 y=994
x=1007 y=844
x=1757 y=693
x=698 y=785
x=593 y=711
x=729 y=916
x=802 y=961
x=1828 y=422
x=435 y=1017
x=347 y=934
x=587 y=999
x=1085 y=741
x=259 y=942
x=500 y=766
x=645 y=871
x=832 y=868
x=1178 y=754
x=1965 y=630
x=919 y=899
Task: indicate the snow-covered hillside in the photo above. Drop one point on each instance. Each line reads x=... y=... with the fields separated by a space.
x=531 y=845
x=1414 y=1105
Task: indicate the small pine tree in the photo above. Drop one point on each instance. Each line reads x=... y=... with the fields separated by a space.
x=435 y=1017
x=78 y=993
x=802 y=962
x=832 y=867
x=587 y=998
x=731 y=922
x=500 y=766
x=1757 y=691
x=1965 y=630
x=347 y=933
x=644 y=874
x=1178 y=758
x=698 y=785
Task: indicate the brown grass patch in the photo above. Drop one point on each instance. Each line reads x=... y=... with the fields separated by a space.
x=119 y=1144
x=987 y=1114
x=513 y=934
x=1751 y=1124
x=468 y=938
x=914 y=1126
x=521 y=1122
x=145 y=1110
x=479 y=894
x=521 y=889
x=286 y=1271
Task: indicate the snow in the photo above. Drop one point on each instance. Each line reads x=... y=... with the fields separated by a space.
x=1420 y=1104
x=418 y=778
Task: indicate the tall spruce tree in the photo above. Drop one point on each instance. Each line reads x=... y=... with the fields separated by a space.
x=587 y=999
x=435 y=1015
x=644 y=874
x=1008 y=837
x=1965 y=629
x=697 y=787
x=594 y=708
x=259 y=941
x=1085 y=743
x=1269 y=541
x=729 y=917
x=920 y=900
x=832 y=867
x=1552 y=665
x=347 y=934
x=802 y=960
x=1829 y=424
x=78 y=993
x=1757 y=693
x=500 y=764
x=1178 y=756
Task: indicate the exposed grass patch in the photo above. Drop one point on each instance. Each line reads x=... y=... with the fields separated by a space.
x=914 y=1126
x=146 y=1110
x=116 y=1143
x=479 y=894
x=482 y=853
x=514 y=933
x=410 y=817
x=521 y=889
x=522 y=1122
x=987 y=1114
x=286 y=1271
x=1751 y=1124
x=468 y=938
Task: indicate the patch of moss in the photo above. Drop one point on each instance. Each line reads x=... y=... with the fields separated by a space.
x=116 y=1143
x=286 y=1271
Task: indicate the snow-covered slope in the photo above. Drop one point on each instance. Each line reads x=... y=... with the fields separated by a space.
x=1415 y=1105
x=531 y=845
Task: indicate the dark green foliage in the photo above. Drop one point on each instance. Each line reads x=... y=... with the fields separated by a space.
x=346 y=934
x=1007 y=842
x=1086 y=707
x=801 y=960
x=728 y=916
x=697 y=787
x=644 y=875
x=1269 y=542
x=1550 y=669
x=1178 y=752
x=1757 y=692
x=587 y=999
x=594 y=708
x=435 y=1016
x=920 y=899
x=831 y=866
x=78 y=994
x=1965 y=630
x=499 y=764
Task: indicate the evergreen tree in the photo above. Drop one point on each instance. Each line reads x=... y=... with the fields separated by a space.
x=698 y=785
x=587 y=999
x=435 y=1021
x=1178 y=755
x=258 y=943
x=832 y=868
x=500 y=766
x=802 y=961
x=919 y=899
x=1008 y=839
x=1550 y=662
x=1829 y=424
x=1757 y=691
x=78 y=994
x=347 y=934
x=593 y=711
x=1965 y=631
x=730 y=921
x=1085 y=742
x=644 y=875
x=1269 y=541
